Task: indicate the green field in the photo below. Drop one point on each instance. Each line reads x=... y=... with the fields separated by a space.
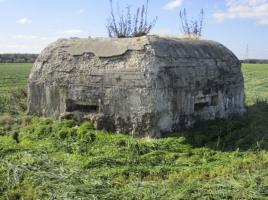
x=256 y=78
x=48 y=159
x=13 y=76
x=13 y=81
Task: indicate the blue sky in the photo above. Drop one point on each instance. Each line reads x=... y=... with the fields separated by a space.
x=30 y=25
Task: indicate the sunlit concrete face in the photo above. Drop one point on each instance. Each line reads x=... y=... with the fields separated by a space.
x=145 y=86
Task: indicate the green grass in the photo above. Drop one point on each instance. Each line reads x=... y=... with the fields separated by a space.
x=50 y=159
x=256 y=79
x=13 y=80
x=13 y=76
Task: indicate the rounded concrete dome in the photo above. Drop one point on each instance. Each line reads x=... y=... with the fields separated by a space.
x=147 y=85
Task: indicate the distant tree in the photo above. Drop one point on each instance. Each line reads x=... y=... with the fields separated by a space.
x=128 y=24
x=18 y=58
x=192 y=28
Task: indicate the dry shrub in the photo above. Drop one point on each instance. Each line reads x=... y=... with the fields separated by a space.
x=192 y=29
x=127 y=24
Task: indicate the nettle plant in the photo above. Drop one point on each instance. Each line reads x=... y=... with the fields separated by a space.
x=192 y=28
x=127 y=24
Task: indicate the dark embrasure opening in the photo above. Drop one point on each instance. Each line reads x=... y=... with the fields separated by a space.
x=72 y=106
x=200 y=106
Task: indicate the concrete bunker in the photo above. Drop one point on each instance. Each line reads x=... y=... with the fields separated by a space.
x=145 y=86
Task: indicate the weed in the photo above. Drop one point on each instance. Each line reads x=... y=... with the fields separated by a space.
x=127 y=25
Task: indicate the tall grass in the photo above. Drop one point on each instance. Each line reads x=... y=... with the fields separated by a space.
x=44 y=159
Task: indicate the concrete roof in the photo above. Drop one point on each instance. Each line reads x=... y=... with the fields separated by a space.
x=162 y=46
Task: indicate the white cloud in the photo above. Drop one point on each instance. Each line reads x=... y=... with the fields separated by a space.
x=73 y=31
x=173 y=4
x=264 y=21
x=35 y=43
x=245 y=9
x=24 y=21
x=25 y=43
x=163 y=33
x=25 y=37
x=22 y=48
x=81 y=11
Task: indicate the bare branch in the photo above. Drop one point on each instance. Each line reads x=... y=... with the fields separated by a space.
x=129 y=25
x=191 y=28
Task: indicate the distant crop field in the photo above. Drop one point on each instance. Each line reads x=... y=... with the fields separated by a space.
x=256 y=82
x=13 y=76
x=13 y=83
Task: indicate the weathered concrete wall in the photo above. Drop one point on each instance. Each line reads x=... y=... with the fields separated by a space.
x=145 y=86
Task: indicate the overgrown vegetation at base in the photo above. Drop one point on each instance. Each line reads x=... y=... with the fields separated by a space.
x=243 y=133
x=42 y=158
x=50 y=159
